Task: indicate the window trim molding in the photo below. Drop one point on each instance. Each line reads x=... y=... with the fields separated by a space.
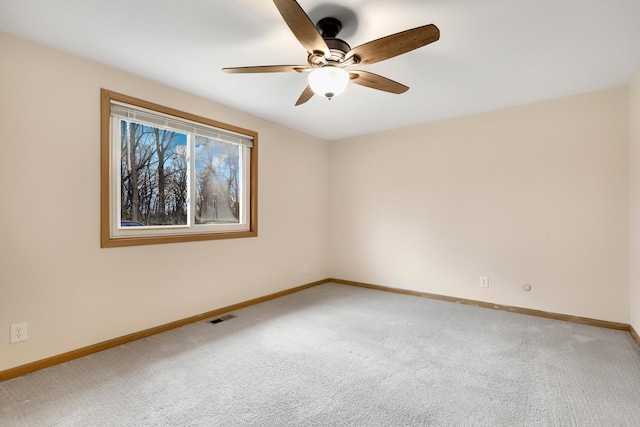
x=106 y=239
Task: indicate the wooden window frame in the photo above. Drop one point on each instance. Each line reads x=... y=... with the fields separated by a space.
x=107 y=240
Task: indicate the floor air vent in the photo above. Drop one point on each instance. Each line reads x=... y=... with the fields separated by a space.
x=223 y=318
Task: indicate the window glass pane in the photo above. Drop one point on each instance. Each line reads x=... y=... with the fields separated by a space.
x=168 y=176
x=217 y=181
x=153 y=176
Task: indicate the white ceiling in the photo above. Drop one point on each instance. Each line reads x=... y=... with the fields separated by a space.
x=491 y=54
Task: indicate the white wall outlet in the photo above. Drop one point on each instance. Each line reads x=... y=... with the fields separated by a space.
x=305 y=269
x=18 y=332
x=484 y=282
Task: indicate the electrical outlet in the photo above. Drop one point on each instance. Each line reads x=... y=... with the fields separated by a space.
x=484 y=282
x=18 y=332
x=305 y=269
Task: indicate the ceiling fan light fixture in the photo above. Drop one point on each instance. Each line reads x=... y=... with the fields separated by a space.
x=329 y=57
x=328 y=81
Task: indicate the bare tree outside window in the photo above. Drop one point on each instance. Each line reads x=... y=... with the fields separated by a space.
x=170 y=176
x=217 y=177
x=153 y=175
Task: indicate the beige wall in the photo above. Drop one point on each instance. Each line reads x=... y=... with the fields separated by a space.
x=634 y=196
x=535 y=194
x=53 y=273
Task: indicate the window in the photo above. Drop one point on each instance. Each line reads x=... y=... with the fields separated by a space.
x=169 y=176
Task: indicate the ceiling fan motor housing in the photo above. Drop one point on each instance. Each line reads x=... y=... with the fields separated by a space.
x=329 y=29
x=338 y=49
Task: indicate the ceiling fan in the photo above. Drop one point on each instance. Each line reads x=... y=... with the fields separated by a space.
x=330 y=59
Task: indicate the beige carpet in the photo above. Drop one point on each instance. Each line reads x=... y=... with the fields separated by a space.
x=337 y=355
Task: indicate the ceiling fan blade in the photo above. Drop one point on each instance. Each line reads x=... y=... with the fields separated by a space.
x=267 y=69
x=307 y=94
x=374 y=81
x=302 y=26
x=395 y=44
